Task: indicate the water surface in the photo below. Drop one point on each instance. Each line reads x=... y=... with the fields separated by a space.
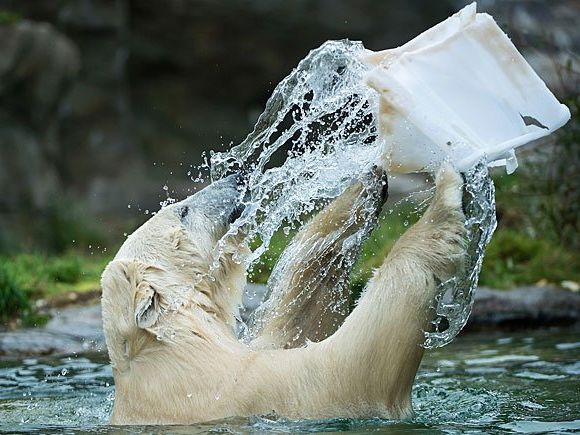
x=524 y=382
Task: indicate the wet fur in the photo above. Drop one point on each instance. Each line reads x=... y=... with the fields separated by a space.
x=176 y=358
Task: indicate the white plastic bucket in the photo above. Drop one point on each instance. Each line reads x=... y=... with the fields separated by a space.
x=459 y=91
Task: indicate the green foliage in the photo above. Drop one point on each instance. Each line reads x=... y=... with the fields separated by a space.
x=9 y=17
x=13 y=299
x=514 y=258
x=41 y=276
x=560 y=206
x=66 y=269
x=392 y=224
x=539 y=214
x=30 y=271
x=543 y=198
x=263 y=268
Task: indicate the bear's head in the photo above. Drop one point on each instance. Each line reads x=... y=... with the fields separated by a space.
x=175 y=264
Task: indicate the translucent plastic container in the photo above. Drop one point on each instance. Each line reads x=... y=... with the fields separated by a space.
x=459 y=91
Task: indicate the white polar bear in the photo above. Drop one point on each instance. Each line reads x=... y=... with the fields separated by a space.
x=169 y=317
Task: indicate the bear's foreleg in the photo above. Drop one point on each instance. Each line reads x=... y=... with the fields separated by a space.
x=377 y=350
x=309 y=296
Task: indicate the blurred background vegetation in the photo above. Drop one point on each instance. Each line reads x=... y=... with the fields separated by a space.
x=105 y=102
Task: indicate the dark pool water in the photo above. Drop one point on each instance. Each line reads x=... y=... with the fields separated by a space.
x=481 y=383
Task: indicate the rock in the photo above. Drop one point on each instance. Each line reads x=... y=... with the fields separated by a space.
x=25 y=176
x=71 y=330
x=37 y=64
x=524 y=307
x=41 y=58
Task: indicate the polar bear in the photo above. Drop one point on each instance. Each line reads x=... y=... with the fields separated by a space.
x=169 y=316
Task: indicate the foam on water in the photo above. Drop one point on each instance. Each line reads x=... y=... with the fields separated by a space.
x=318 y=134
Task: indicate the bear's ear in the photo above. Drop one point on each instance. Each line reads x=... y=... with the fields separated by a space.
x=146 y=305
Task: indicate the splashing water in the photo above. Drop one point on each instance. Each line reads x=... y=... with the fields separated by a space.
x=455 y=296
x=316 y=136
x=320 y=121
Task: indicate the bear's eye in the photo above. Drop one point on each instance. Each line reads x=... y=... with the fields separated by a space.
x=183 y=212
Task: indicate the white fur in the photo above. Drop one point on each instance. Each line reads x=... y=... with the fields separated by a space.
x=176 y=359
